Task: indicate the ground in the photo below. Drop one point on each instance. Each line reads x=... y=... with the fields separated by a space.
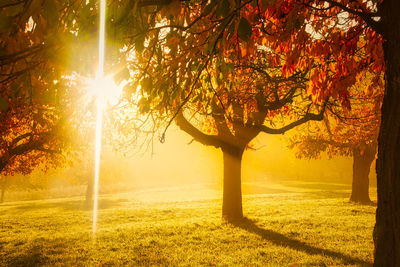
x=293 y=225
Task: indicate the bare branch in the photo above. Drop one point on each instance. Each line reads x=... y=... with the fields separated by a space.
x=307 y=117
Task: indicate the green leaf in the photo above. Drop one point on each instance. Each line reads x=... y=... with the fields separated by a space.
x=230 y=67
x=244 y=30
x=14 y=10
x=297 y=24
x=266 y=3
x=5 y=23
x=194 y=66
x=147 y=84
x=50 y=11
x=139 y=43
x=124 y=74
x=16 y=90
x=231 y=28
x=223 y=8
x=3 y=103
x=207 y=10
x=144 y=105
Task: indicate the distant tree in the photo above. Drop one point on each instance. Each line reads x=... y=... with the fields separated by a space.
x=345 y=142
x=3 y=185
x=351 y=133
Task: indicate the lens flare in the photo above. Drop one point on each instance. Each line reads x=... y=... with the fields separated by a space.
x=105 y=90
x=99 y=117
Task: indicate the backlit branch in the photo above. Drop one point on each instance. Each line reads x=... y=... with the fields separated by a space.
x=199 y=136
x=367 y=17
x=307 y=117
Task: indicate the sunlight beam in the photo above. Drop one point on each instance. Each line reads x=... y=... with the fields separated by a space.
x=99 y=117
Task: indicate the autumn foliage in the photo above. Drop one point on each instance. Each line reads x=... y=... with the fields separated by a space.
x=224 y=71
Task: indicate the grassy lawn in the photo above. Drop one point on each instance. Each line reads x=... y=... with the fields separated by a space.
x=304 y=228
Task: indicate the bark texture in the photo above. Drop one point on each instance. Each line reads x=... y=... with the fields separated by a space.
x=387 y=228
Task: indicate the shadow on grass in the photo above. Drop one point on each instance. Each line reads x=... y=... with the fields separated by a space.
x=33 y=258
x=321 y=190
x=67 y=205
x=369 y=203
x=254 y=189
x=318 y=186
x=329 y=194
x=284 y=241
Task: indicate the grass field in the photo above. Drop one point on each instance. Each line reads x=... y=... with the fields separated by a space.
x=296 y=225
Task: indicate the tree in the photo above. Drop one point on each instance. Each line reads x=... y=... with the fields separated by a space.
x=347 y=133
x=3 y=182
x=387 y=228
x=245 y=111
x=35 y=101
x=198 y=60
x=33 y=132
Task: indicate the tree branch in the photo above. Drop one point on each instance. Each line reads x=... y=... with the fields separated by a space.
x=307 y=117
x=364 y=16
x=199 y=136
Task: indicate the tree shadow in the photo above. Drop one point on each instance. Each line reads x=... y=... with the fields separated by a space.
x=367 y=203
x=66 y=205
x=284 y=241
x=255 y=189
x=33 y=257
x=325 y=194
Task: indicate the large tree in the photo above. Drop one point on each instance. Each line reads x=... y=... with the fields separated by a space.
x=218 y=63
x=387 y=228
x=241 y=109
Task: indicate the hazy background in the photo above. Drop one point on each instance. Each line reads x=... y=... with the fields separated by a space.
x=177 y=166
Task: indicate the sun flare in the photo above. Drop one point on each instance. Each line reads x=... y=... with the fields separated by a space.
x=99 y=88
x=105 y=89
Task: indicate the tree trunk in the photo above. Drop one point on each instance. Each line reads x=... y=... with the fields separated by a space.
x=387 y=228
x=362 y=160
x=232 y=195
x=3 y=188
x=89 y=192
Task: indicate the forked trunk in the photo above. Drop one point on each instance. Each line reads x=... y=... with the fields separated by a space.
x=362 y=160
x=387 y=228
x=232 y=196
